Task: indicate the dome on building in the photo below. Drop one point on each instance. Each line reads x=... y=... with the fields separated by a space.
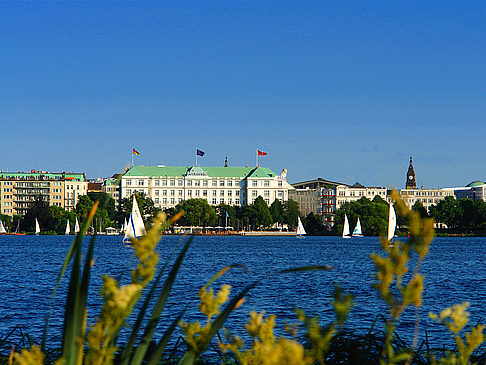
x=475 y=184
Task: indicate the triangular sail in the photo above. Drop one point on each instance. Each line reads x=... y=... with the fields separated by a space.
x=68 y=228
x=300 y=228
x=346 y=227
x=357 y=230
x=392 y=223
x=2 y=228
x=136 y=227
x=37 y=227
x=76 y=226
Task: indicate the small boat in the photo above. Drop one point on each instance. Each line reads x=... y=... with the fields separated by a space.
x=37 y=227
x=2 y=228
x=357 y=230
x=68 y=228
x=300 y=229
x=135 y=227
x=346 y=227
x=392 y=224
x=76 y=226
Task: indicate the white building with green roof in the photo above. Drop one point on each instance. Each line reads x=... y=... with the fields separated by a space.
x=169 y=185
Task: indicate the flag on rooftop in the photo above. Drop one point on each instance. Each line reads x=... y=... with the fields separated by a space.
x=135 y=152
x=199 y=152
x=261 y=153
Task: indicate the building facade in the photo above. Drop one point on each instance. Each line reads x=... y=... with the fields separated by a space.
x=168 y=186
x=334 y=198
x=18 y=190
x=308 y=194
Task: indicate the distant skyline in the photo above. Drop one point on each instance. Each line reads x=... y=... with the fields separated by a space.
x=346 y=91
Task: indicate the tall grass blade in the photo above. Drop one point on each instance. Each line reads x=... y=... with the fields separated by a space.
x=154 y=357
x=76 y=243
x=191 y=356
x=141 y=350
x=128 y=348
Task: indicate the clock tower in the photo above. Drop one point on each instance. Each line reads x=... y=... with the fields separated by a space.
x=410 y=184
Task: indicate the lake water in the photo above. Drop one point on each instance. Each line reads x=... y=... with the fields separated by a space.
x=454 y=273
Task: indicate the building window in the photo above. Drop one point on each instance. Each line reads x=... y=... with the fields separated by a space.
x=205 y=193
x=230 y=193
x=237 y=193
x=189 y=193
x=214 y=183
x=164 y=182
x=157 y=182
x=205 y=183
x=214 y=193
x=229 y=183
x=189 y=182
x=221 y=193
x=172 y=200
x=140 y=182
x=172 y=183
x=214 y=201
x=221 y=183
x=221 y=201
x=230 y=201
x=266 y=193
x=172 y=193
x=180 y=192
x=179 y=182
x=267 y=201
x=164 y=192
x=156 y=200
x=164 y=200
x=129 y=183
x=156 y=192
x=254 y=183
x=197 y=183
x=254 y=194
x=266 y=183
x=197 y=192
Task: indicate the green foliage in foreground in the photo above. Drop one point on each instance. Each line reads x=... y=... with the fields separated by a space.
x=99 y=344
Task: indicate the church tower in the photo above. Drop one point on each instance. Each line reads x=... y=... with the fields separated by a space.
x=410 y=183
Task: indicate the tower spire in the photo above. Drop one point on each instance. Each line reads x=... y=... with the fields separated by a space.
x=410 y=182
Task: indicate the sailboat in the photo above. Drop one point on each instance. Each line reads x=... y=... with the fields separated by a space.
x=135 y=227
x=68 y=228
x=392 y=224
x=37 y=227
x=2 y=228
x=76 y=226
x=300 y=228
x=357 y=230
x=346 y=227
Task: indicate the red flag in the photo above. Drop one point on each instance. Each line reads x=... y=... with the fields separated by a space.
x=261 y=153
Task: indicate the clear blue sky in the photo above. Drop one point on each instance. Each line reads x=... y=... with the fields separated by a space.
x=346 y=91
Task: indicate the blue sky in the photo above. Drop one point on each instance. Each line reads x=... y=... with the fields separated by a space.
x=346 y=91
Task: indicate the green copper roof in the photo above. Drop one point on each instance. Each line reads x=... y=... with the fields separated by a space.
x=41 y=176
x=180 y=171
x=475 y=184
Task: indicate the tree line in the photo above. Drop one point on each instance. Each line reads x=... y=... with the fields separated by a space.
x=197 y=212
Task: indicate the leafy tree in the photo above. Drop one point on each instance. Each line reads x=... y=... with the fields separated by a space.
x=277 y=212
x=7 y=221
x=447 y=211
x=222 y=210
x=145 y=205
x=38 y=209
x=83 y=206
x=106 y=202
x=373 y=216
x=197 y=212
x=261 y=213
x=291 y=212
x=419 y=207
x=313 y=224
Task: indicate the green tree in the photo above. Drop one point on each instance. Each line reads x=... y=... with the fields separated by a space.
x=261 y=213
x=83 y=206
x=447 y=211
x=372 y=214
x=226 y=215
x=7 y=222
x=39 y=209
x=313 y=224
x=277 y=212
x=146 y=205
x=197 y=212
x=106 y=202
x=419 y=207
x=291 y=212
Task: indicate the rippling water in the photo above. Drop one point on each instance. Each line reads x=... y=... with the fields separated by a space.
x=454 y=273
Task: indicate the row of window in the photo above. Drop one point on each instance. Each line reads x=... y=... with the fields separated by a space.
x=204 y=183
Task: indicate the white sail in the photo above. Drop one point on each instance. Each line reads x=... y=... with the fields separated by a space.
x=357 y=230
x=346 y=227
x=125 y=225
x=135 y=228
x=2 y=228
x=392 y=223
x=37 y=227
x=68 y=228
x=76 y=226
x=300 y=228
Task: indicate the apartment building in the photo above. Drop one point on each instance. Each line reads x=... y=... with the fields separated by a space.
x=19 y=189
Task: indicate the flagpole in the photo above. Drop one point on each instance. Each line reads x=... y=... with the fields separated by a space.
x=256 y=158
x=196 y=157
x=132 y=156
